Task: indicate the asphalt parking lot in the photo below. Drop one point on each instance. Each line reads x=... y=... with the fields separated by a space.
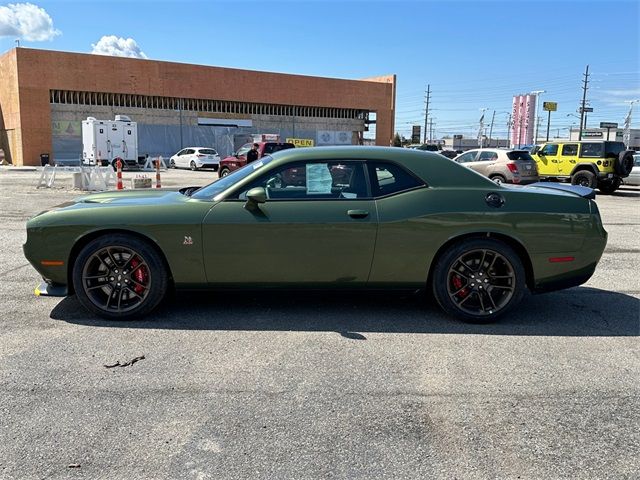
x=319 y=385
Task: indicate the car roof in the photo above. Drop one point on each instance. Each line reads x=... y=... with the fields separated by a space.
x=435 y=169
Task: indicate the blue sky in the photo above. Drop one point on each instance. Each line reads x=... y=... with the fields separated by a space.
x=474 y=54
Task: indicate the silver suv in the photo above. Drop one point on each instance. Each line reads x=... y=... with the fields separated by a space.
x=501 y=165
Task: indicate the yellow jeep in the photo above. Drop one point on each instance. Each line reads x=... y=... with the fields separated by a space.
x=594 y=164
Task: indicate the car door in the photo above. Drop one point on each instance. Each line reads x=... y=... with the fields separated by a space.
x=317 y=228
x=484 y=162
x=567 y=158
x=187 y=156
x=467 y=158
x=177 y=158
x=548 y=159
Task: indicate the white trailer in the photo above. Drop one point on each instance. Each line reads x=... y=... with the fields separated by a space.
x=103 y=141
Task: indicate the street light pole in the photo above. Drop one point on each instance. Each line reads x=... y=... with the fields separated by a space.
x=493 y=117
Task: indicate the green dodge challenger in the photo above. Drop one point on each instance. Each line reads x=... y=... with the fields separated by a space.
x=323 y=218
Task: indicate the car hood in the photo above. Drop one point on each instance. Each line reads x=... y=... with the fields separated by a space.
x=132 y=197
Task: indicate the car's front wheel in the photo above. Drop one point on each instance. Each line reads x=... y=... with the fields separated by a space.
x=478 y=279
x=119 y=277
x=223 y=172
x=172 y=163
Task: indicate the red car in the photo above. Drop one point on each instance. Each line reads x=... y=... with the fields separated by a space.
x=239 y=159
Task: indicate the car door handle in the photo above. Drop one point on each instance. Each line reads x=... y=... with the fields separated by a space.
x=358 y=213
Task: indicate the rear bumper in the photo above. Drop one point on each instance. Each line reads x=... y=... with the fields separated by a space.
x=573 y=279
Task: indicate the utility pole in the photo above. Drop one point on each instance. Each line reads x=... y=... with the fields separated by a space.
x=481 y=129
x=585 y=84
x=426 y=112
x=493 y=117
x=509 y=122
x=430 y=130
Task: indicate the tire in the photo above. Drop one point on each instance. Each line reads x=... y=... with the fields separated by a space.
x=119 y=277
x=172 y=163
x=193 y=166
x=475 y=293
x=223 y=172
x=499 y=179
x=624 y=163
x=608 y=187
x=584 y=178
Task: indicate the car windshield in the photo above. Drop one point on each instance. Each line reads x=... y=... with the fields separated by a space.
x=519 y=155
x=209 y=191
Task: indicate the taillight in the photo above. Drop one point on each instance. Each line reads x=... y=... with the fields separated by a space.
x=513 y=168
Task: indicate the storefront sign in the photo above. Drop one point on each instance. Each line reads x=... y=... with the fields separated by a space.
x=301 y=142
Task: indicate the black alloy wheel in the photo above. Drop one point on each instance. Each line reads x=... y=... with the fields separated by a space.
x=584 y=178
x=119 y=277
x=478 y=280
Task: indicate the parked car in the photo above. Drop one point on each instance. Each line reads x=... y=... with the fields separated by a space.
x=448 y=153
x=634 y=176
x=195 y=158
x=501 y=166
x=389 y=220
x=239 y=159
x=594 y=164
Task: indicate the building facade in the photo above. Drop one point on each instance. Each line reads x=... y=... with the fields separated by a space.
x=614 y=134
x=45 y=95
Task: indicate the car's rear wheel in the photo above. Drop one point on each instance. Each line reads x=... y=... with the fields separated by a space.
x=624 y=163
x=193 y=166
x=119 y=277
x=479 y=279
x=584 y=178
x=609 y=186
x=224 y=171
x=498 y=179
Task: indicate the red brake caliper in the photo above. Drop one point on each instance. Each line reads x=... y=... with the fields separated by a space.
x=141 y=275
x=457 y=283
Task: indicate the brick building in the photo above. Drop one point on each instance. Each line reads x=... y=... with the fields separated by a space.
x=44 y=95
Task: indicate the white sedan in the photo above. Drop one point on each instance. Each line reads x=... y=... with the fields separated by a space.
x=195 y=158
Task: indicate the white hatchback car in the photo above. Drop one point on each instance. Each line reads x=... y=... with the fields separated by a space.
x=634 y=176
x=195 y=158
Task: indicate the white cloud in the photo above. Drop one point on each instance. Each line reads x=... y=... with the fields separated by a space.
x=27 y=21
x=623 y=93
x=117 y=47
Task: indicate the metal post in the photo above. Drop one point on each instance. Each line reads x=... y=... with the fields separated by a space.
x=548 y=124
x=180 y=109
x=493 y=117
x=426 y=113
x=509 y=132
x=583 y=119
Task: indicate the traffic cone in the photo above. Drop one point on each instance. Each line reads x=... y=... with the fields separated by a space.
x=158 y=185
x=119 y=185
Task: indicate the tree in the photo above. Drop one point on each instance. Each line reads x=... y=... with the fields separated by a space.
x=397 y=140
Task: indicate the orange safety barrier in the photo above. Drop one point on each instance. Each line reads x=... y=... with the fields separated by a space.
x=119 y=185
x=157 y=162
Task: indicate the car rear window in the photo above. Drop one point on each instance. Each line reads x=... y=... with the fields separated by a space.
x=208 y=151
x=613 y=149
x=519 y=155
x=276 y=147
x=387 y=178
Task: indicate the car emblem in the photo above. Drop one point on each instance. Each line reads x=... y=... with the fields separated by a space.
x=187 y=240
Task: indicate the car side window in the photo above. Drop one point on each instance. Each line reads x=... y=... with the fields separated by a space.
x=592 y=150
x=387 y=178
x=549 y=149
x=467 y=157
x=244 y=149
x=313 y=181
x=182 y=152
x=487 y=156
x=570 y=149
x=188 y=151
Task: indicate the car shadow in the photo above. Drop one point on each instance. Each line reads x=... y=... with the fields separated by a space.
x=578 y=311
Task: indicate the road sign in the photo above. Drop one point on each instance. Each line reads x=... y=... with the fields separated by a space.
x=586 y=109
x=550 y=106
x=415 y=134
x=608 y=125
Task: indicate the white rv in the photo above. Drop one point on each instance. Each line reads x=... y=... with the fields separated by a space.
x=103 y=141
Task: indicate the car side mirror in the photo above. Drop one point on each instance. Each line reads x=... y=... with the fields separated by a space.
x=257 y=195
